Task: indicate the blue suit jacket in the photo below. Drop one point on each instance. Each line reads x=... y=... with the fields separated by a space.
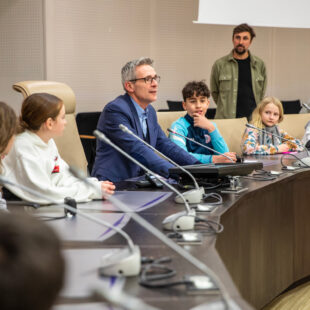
x=111 y=165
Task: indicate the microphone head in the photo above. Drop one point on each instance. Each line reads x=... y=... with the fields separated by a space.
x=97 y=133
x=122 y=127
x=101 y=136
x=305 y=106
x=125 y=128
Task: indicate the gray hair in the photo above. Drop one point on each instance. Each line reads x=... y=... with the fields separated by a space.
x=129 y=70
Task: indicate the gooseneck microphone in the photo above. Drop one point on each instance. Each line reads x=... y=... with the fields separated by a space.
x=301 y=162
x=228 y=302
x=179 y=221
x=270 y=133
x=192 y=196
x=128 y=260
x=198 y=143
x=306 y=106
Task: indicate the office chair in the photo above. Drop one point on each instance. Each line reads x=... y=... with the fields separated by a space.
x=294 y=124
x=87 y=123
x=175 y=105
x=69 y=144
x=291 y=106
x=232 y=131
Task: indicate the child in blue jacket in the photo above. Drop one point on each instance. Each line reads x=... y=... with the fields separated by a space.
x=195 y=125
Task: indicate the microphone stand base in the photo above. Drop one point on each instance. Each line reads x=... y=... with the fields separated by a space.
x=185 y=238
x=235 y=186
x=180 y=221
x=200 y=285
x=302 y=162
x=230 y=304
x=121 y=262
x=205 y=207
x=236 y=190
x=193 y=196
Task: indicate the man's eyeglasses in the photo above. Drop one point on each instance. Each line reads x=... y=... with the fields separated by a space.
x=148 y=79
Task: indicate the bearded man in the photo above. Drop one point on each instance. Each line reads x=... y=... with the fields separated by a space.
x=239 y=79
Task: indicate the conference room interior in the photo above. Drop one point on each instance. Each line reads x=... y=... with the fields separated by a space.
x=263 y=249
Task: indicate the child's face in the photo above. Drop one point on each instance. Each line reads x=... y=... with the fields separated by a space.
x=197 y=105
x=59 y=123
x=270 y=115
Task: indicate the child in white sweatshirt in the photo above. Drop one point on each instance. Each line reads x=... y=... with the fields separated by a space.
x=34 y=160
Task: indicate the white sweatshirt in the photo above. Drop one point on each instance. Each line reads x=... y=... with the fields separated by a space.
x=38 y=165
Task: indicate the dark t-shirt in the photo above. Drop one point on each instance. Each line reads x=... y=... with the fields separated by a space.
x=245 y=98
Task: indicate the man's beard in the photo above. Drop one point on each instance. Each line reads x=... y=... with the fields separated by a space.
x=240 y=52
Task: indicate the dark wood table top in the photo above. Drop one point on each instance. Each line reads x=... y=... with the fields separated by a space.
x=230 y=254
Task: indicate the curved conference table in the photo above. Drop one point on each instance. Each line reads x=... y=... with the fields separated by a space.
x=263 y=249
x=265 y=245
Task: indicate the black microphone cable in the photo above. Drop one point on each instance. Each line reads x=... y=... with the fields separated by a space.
x=155 y=273
x=68 y=214
x=207 y=185
x=47 y=218
x=261 y=175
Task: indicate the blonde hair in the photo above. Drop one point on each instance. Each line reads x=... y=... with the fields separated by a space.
x=257 y=113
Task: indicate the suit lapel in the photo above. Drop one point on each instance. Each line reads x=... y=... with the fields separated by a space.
x=136 y=120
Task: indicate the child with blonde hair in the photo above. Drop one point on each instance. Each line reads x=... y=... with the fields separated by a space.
x=266 y=116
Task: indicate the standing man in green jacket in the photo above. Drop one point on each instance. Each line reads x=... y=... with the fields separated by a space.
x=238 y=80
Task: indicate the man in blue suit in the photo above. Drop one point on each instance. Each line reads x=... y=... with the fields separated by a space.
x=134 y=110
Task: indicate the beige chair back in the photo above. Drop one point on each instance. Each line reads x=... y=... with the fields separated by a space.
x=165 y=119
x=69 y=144
x=232 y=131
x=294 y=124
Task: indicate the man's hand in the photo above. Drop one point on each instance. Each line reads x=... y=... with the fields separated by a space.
x=222 y=159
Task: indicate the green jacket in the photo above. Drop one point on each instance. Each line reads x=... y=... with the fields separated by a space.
x=224 y=83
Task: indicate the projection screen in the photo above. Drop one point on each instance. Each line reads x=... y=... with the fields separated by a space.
x=266 y=13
